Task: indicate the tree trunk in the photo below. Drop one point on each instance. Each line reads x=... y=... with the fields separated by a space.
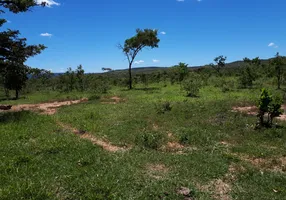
x=279 y=82
x=17 y=94
x=130 y=77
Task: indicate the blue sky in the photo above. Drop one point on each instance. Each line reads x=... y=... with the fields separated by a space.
x=191 y=31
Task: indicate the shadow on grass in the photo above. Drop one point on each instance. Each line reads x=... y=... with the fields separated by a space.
x=143 y=89
x=11 y=98
x=8 y=117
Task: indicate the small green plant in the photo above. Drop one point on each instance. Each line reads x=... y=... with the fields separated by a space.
x=192 y=85
x=270 y=106
x=150 y=140
x=246 y=78
x=163 y=107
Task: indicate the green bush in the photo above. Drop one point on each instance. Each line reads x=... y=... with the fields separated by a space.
x=270 y=106
x=150 y=140
x=163 y=107
x=192 y=85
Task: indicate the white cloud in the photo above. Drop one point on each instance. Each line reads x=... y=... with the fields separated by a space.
x=49 y=3
x=163 y=33
x=156 y=61
x=46 y=35
x=199 y=0
x=139 y=62
x=180 y=0
x=272 y=44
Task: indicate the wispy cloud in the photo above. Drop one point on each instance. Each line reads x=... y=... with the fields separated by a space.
x=272 y=44
x=180 y=0
x=163 y=33
x=46 y=35
x=49 y=3
x=139 y=62
x=156 y=61
x=199 y=0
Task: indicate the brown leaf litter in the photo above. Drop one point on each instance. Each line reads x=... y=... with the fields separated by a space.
x=44 y=108
x=106 y=145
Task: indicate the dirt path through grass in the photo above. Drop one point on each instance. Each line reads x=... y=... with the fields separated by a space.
x=85 y=135
x=44 y=108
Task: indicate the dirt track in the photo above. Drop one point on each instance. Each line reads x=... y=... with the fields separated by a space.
x=44 y=108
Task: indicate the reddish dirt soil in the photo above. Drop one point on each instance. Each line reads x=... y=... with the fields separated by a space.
x=253 y=110
x=112 y=100
x=44 y=108
x=96 y=141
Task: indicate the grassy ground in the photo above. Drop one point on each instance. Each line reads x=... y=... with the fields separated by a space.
x=199 y=144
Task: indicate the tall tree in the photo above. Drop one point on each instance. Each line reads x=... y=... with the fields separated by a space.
x=220 y=64
x=13 y=50
x=278 y=63
x=80 y=76
x=132 y=46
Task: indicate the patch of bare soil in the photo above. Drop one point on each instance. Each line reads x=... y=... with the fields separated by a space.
x=186 y=192
x=106 y=145
x=157 y=171
x=44 y=108
x=270 y=164
x=253 y=110
x=220 y=189
x=112 y=100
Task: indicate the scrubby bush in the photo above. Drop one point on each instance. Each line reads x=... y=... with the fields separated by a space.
x=270 y=106
x=247 y=77
x=192 y=85
x=163 y=107
x=150 y=140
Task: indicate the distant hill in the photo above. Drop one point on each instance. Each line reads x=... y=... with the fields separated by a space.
x=152 y=69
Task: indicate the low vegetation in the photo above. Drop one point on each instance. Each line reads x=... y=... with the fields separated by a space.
x=180 y=133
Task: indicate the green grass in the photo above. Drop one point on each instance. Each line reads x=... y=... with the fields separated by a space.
x=40 y=160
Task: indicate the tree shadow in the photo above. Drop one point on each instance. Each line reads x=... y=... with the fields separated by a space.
x=11 y=98
x=148 y=89
x=142 y=89
x=9 y=117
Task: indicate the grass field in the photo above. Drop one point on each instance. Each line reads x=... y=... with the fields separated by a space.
x=196 y=148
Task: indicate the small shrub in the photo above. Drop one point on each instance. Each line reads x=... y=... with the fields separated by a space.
x=246 y=78
x=192 y=85
x=163 y=107
x=150 y=140
x=270 y=106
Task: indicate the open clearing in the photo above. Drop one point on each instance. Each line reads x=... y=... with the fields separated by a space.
x=120 y=147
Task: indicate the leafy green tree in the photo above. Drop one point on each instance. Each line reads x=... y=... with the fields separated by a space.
x=14 y=51
x=71 y=79
x=278 y=65
x=180 y=71
x=132 y=46
x=248 y=74
x=220 y=64
x=192 y=85
x=80 y=77
x=17 y=6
